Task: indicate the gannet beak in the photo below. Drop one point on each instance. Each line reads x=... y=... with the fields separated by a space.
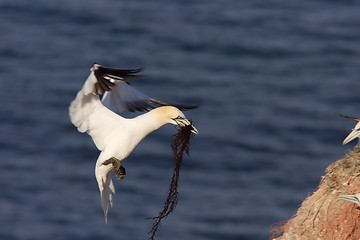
x=350 y=198
x=182 y=122
x=194 y=130
x=354 y=134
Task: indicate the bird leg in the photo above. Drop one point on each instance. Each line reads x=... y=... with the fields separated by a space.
x=117 y=167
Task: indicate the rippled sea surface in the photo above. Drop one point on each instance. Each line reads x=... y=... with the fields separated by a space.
x=270 y=77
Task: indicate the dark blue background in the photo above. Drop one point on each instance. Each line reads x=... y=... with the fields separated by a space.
x=270 y=76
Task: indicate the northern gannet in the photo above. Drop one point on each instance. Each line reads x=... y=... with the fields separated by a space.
x=355 y=198
x=116 y=136
x=355 y=133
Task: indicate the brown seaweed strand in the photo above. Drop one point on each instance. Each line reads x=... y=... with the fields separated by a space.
x=179 y=145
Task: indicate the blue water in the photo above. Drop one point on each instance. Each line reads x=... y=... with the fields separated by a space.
x=270 y=78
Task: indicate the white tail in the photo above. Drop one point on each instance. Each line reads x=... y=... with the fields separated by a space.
x=106 y=185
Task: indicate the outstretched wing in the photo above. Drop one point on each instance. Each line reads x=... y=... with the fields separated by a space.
x=350 y=118
x=119 y=96
x=107 y=78
x=355 y=133
x=89 y=115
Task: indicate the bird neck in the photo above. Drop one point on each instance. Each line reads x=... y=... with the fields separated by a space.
x=148 y=122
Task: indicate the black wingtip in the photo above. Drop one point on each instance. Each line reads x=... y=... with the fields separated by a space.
x=345 y=116
x=115 y=71
x=182 y=107
x=106 y=77
x=186 y=107
x=122 y=73
x=350 y=117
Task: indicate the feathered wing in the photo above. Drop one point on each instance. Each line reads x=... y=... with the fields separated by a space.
x=125 y=98
x=351 y=118
x=120 y=96
x=355 y=133
x=89 y=115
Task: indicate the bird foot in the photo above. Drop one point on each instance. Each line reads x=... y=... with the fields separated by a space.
x=117 y=167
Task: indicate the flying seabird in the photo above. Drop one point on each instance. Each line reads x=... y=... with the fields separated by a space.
x=355 y=198
x=355 y=133
x=116 y=136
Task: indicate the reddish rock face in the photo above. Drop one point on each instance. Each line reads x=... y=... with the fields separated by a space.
x=323 y=216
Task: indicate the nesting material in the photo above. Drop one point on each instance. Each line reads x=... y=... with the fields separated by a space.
x=179 y=145
x=323 y=216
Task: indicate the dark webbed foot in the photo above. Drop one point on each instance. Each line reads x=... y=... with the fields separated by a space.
x=120 y=173
x=117 y=167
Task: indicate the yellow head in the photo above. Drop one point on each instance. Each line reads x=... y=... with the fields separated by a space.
x=172 y=115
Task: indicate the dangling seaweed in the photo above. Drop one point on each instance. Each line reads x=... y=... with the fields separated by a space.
x=179 y=145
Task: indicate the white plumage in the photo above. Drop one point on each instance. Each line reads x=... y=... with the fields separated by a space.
x=114 y=135
x=355 y=132
x=355 y=198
